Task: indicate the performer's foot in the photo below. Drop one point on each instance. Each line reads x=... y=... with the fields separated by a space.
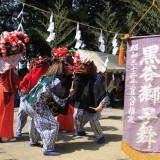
x=101 y=140
x=18 y=133
x=35 y=144
x=8 y=139
x=79 y=134
x=51 y=153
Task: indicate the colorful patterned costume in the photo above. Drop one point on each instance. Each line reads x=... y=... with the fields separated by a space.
x=27 y=83
x=89 y=92
x=41 y=111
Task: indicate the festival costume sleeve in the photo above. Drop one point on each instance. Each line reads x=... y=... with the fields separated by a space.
x=24 y=84
x=11 y=82
x=76 y=98
x=61 y=90
x=88 y=92
x=30 y=79
x=42 y=95
x=36 y=74
x=60 y=94
x=99 y=92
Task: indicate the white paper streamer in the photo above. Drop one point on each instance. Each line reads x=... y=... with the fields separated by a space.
x=51 y=18
x=115 y=45
x=102 y=47
x=78 y=44
x=106 y=62
x=115 y=50
x=101 y=40
x=51 y=27
x=78 y=37
x=78 y=33
x=20 y=27
x=51 y=37
x=21 y=13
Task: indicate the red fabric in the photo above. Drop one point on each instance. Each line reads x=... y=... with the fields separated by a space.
x=66 y=121
x=6 y=116
x=30 y=79
x=8 y=82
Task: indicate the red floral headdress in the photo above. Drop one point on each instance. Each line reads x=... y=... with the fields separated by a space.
x=12 y=43
x=78 y=66
x=67 y=56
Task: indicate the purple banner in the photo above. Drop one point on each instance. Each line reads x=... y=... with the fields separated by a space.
x=142 y=95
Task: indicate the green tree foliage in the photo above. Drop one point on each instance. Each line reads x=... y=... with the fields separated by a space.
x=150 y=24
x=65 y=31
x=8 y=15
x=109 y=25
x=62 y=27
x=112 y=16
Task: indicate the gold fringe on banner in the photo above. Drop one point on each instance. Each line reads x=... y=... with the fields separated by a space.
x=121 y=55
x=136 y=155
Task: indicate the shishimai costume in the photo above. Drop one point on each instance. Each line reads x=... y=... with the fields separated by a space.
x=47 y=99
x=89 y=92
x=39 y=68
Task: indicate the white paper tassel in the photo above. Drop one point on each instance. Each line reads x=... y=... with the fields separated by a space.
x=106 y=62
x=78 y=35
x=51 y=18
x=21 y=13
x=78 y=44
x=20 y=28
x=51 y=27
x=115 y=45
x=101 y=40
x=51 y=37
x=102 y=47
x=114 y=41
x=115 y=50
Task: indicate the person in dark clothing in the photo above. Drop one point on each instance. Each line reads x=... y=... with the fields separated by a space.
x=89 y=98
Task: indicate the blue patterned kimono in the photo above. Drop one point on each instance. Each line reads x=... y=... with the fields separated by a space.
x=42 y=111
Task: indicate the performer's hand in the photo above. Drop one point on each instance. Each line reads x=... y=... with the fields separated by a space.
x=99 y=108
x=71 y=92
x=25 y=91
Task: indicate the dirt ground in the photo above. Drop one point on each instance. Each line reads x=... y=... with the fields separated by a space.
x=72 y=148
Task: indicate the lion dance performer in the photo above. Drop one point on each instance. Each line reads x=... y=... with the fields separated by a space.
x=89 y=99
x=49 y=98
x=39 y=68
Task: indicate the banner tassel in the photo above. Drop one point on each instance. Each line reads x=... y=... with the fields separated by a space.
x=121 y=55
